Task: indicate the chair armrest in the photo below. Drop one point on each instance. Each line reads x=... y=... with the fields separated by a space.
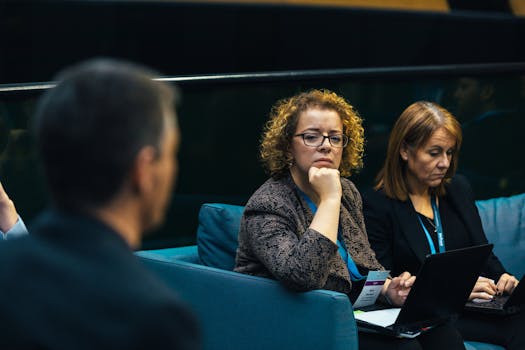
x=473 y=345
x=238 y=311
x=189 y=253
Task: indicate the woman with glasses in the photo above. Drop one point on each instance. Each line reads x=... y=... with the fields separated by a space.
x=304 y=226
x=420 y=207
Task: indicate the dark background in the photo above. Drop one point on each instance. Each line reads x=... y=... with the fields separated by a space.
x=41 y=37
x=381 y=61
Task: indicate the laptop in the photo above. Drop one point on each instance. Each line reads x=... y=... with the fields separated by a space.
x=442 y=287
x=502 y=304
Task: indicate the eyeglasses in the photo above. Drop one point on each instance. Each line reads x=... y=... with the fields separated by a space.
x=316 y=140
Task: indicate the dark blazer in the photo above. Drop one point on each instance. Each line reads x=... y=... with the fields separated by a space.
x=275 y=240
x=399 y=241
x=74 y=283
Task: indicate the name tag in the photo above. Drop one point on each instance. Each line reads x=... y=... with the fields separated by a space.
x=373 y=285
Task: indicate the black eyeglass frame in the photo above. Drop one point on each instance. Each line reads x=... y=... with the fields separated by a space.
x=344 y=137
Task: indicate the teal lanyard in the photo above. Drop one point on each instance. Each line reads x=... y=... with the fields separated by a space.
x=439 y=229
x=355 y=275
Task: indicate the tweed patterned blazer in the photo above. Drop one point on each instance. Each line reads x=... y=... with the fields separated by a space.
x=275 y=240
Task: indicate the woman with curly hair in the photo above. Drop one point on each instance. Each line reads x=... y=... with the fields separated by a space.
x=304 y=226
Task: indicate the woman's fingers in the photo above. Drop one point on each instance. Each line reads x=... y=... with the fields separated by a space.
x=506 y=284
x=486 y=285
x=481 y=296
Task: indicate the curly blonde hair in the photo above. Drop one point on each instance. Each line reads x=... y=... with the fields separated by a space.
x=281 y=127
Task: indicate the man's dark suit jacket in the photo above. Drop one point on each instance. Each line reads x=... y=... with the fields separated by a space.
x=74 y=283
x=400 y=243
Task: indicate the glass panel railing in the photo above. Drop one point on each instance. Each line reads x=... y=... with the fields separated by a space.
x=221 y=118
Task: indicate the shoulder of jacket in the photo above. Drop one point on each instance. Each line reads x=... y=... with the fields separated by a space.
x=273 y=193
x=272 y=186
x=349 y=187
x=458 y=183
x=372 y=194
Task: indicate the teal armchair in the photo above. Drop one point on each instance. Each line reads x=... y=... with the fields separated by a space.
x=238 y=311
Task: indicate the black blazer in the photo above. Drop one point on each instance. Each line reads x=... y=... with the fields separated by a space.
x=396 y=235
x=74 y=283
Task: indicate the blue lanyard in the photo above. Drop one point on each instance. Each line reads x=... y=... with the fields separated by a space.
x=439 y=229
x=347 y=258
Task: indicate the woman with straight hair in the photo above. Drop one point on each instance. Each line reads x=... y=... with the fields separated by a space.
x=419 y=207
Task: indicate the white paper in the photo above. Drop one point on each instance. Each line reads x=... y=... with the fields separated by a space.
x=373 y=285
x=383 y=318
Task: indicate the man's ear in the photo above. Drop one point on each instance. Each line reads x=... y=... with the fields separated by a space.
x=143 y=169
x=487 y=92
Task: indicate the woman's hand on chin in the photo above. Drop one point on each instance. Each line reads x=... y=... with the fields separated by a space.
x=326 y=183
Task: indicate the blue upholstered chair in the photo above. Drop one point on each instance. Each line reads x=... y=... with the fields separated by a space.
x=238 y=311
x=504 y=224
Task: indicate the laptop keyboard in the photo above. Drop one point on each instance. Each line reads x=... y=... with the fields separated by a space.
x=496 y=303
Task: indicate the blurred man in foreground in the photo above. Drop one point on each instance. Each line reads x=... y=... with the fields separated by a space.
x=107 y=136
